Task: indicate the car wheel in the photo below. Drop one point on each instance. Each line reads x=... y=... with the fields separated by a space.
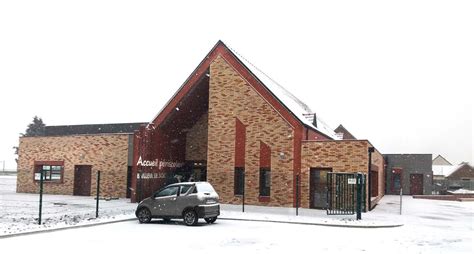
x=210 y=220
x=190 y=218
x=144 y=215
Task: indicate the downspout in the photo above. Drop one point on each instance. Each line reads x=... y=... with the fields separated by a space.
x=369 y=179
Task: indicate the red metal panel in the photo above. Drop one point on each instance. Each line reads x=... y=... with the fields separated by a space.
x=240 y=138
x=297 y=139
x=265 y=155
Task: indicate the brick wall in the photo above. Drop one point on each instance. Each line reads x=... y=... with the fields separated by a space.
x=341 y=156
x=196 y=140
x=107 y=153
x=230 y=97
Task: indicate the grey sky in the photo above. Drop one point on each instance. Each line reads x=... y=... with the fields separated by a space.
x=399 y=73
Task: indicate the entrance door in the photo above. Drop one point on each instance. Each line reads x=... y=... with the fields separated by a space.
x=318 y=187
x=82 y=180
x=374 y=184
x=416 y=184
x=396 y=181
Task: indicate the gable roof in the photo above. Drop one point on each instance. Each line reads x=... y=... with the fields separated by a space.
x=440 y=160
x=297 y=107
x=345 y=133
x=88 y=129
x=288 y=101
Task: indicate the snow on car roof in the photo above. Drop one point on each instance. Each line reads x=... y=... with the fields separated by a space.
x=300 y=109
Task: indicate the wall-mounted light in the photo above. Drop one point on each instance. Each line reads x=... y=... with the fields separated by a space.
x=282 y=155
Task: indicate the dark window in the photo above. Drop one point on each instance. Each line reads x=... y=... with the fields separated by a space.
x=205 y=188
x=239 y=181
x=170 y=191
x=265 y=182
x=51 y=173
x=185 y=188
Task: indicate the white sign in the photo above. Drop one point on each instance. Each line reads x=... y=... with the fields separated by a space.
x=151 y=176
x=351 y=181
x=159 y=164
x=145 y=163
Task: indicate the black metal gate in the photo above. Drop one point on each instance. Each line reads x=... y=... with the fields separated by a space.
x=345 y=192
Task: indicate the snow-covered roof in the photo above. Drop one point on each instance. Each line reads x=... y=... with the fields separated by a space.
x=462 y=191
x=444 y=170
x=295 y=105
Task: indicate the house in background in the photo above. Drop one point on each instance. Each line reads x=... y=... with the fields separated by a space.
x=343 y=133
x=410 y=172
x=440 y=160
x=449 y=178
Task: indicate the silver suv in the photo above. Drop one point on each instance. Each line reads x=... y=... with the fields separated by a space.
x=189 y=200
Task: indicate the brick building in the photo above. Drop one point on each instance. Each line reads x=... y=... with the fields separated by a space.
x=229 y=122
x=448 y=178
x=70 y=157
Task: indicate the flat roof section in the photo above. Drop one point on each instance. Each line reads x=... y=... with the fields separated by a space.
x=66 y=130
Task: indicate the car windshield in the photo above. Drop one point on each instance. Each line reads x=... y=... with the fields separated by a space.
x=205 y=187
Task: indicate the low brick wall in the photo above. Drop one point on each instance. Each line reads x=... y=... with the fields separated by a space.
x=456 y=197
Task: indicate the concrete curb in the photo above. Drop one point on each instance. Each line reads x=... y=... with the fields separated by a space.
x=64 y=228
x=317 y=224
x=220 y=218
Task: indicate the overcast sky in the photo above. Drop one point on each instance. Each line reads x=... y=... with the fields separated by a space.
x=399 y=74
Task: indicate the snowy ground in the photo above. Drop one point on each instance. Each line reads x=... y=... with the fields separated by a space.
x=429 y=226
x=19 y=212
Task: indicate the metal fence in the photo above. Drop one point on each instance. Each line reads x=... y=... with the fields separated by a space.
x=20 y=209
x=346 y=193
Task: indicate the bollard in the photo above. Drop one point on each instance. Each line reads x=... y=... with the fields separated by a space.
x=359 y=197
x=97 y=195
x=243 y=192
x=401 y=193
x=41 y=196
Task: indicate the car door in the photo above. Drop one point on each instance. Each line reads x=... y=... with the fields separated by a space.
x=164 y=202
x=183 y=200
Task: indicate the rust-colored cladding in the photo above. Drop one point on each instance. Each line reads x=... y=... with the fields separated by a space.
x=265 y=155
x=239 y=144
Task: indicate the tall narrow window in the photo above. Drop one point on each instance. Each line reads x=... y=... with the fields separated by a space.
x=239 y=181
x=265 y=182
x=265 y=176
